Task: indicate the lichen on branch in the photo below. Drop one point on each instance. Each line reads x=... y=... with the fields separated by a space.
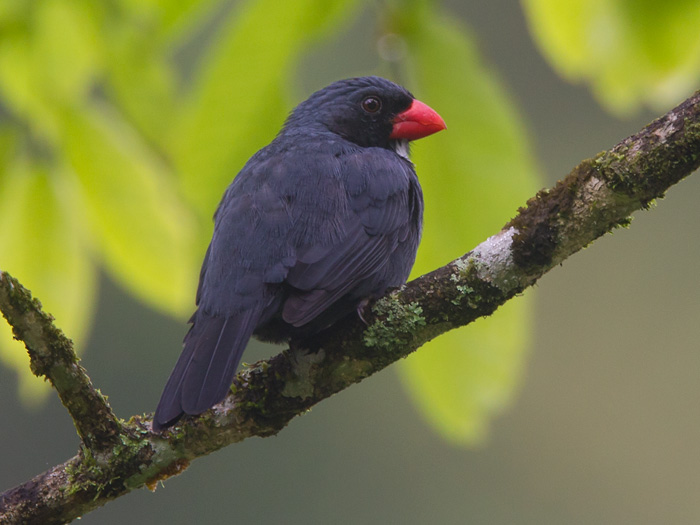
x=52 y=356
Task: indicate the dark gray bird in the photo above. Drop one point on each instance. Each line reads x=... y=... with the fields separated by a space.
x=326 y=216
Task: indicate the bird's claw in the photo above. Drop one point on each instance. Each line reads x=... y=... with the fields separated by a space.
x=360 y=310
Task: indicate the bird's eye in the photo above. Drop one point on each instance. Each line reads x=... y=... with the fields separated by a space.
x=371 y=104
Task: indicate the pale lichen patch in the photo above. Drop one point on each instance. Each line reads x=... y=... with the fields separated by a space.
x=493 y=261
x=302 y=386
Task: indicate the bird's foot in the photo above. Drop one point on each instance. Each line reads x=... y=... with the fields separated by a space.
x=361 y=309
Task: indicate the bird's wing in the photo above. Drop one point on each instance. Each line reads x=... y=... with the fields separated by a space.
x=384 y=207
x=202 y=376
x=247 y=249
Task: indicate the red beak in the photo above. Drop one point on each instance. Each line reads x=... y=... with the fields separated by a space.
x=418 y=121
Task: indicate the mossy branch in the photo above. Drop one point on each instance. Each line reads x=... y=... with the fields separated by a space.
x=51 y=356
x=596 y=197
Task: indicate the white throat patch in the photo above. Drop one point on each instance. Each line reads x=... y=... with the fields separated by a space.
x=402 y=148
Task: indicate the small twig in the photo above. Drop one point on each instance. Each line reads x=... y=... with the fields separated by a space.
x=51 y=356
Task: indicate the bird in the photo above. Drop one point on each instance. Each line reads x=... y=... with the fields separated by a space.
x=326 y=217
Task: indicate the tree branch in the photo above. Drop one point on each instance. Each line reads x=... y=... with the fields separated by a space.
x=51 y=355
x=596 y=197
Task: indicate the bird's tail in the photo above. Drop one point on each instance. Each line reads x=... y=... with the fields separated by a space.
x=201 y=378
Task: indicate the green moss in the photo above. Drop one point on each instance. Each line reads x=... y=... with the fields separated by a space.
x=624 y=223
x=101 y=473
x=395 y=324
x=257 y=405
x=83 y=476
x=466 y=267
x=302 y=384
x=165 y=457
x=351 y=370
x=465 y=293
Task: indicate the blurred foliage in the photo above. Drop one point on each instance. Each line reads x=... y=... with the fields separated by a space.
x=631 y=52
x=122 y=122
x=241 y=92
x=138 y=159
x=94 y=189
x=35 y=205
x=474 y=177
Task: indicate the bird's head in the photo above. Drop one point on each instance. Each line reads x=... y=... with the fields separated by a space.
x=368 y=111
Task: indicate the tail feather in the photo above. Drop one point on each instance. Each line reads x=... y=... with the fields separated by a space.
x=203 y=374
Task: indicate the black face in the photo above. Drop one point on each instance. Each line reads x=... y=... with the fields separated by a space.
x=360 y=110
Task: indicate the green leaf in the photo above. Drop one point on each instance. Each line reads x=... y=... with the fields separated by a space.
x=172 y=18
x=21 y=89
x=42 y=243
x=8 y=148
x=142 y=82
x=66 y=47
x=474 y=176
x=140 y=226
x=179 y=17
x=11 y=11
x=239 y=100
x=631 y=52
x=463 y=378
x=49 y=55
